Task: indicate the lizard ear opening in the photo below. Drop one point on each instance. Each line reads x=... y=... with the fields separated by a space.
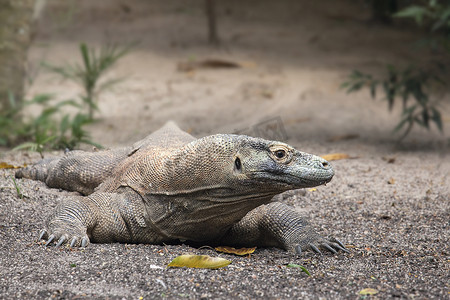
x=237 y=164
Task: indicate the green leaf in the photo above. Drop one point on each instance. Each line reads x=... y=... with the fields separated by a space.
x=373 y=88
x=437 y=119
x=107 y=84
x=409 y=110
x=85 y=54
x=64 y=125
x=425 y=118
x=414 y=11
x=11 y=99
x=199 y=261
x=17 y=187
x=402 y=123
x=40 y=99
x=28 y=145
x=300 y=267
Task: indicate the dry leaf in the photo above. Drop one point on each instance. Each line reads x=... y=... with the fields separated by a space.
x=4 y=165
x=391 y=181
x=335 y=156
x=337 y=138
x=297 y=120
x=231 y=250
x=199 y=261
x=368 y=291
x=389 y=160
x=207 y=64
x=312 y=189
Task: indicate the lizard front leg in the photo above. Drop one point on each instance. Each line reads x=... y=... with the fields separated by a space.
x=101 y=218
x=70 y=222
x=279 y=225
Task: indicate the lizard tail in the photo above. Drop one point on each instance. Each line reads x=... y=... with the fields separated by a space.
x=38 y=171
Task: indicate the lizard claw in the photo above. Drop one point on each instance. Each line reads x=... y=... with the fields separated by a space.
x=42 y=234
x=298 y=249
x=342 y=247
x=50 y=239
x=337 y=244
x=315 y=249
x=329 y=248
x=61 y=241
x=73 y=242
x=84 y=242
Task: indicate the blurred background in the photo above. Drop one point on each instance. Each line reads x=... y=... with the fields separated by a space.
x=77 y=73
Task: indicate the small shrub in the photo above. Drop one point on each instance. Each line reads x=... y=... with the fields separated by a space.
x=46 y=131
x=49 y=130
x=88 y=74
x=412 y=86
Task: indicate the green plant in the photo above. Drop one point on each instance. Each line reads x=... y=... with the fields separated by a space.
x=415 y=86
x=412 y=86
x=46 y=131
x=88 y=74
x=17 y=187
x=49 y=130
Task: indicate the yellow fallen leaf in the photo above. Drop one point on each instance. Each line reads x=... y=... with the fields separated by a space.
x=4 y=165
x=199 y=261
x=368 y=291
x=240 y=251
x=312 y=189
x=335 y=156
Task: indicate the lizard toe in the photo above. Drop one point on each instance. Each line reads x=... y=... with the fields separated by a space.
x=78 y=241
x=61 y=240
x=84 y=242
x=315 y=249
x=340 y=244
x=329 y=248
x=339 y=247
x=50 y=239
x=43 y=234
x=73 y=242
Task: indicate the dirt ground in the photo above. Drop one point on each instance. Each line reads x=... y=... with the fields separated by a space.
x=389 y=203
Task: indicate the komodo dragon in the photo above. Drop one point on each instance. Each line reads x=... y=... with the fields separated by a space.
x=172 y=187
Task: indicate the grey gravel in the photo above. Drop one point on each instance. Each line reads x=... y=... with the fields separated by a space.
x=393 y=217
x=397 y=234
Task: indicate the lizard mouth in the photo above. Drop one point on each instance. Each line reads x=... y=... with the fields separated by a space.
x=292 y=180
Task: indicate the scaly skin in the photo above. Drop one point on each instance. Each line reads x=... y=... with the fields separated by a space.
x=171 y=186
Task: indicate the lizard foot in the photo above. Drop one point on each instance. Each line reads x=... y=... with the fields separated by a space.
x=332 y=245
x=63 y=238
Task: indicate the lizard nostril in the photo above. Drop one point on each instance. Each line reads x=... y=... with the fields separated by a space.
x=325 y=164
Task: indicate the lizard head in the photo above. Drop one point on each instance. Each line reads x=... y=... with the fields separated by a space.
x=233 y=165
x=277 y=165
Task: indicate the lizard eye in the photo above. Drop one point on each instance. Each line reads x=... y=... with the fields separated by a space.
x=280 y=153
x=237 y=163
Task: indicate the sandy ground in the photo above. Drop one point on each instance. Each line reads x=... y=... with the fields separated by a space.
x=389 y=203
